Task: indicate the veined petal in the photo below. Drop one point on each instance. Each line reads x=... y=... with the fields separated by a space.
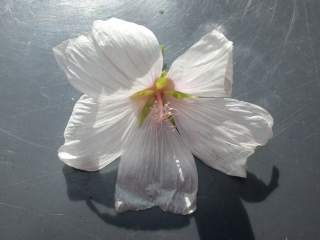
x=132 y=47
x=156 y=169
x=94 y=132
x=206 y=68
x=223 y=132
x=114 y=56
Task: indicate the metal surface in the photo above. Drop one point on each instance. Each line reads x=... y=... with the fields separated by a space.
x=277 y=61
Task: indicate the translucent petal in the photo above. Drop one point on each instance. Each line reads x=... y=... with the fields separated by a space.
x=206 y=68
x=94 y=132
x=156 y=169
x=223 y=132
x=114 y=56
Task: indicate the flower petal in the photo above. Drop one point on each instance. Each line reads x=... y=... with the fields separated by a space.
x=223 y=132
x=115 y=55
x=156 y=169
x=94 y=132
x=206 y=68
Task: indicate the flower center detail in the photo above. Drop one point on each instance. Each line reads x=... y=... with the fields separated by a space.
x=157 y=97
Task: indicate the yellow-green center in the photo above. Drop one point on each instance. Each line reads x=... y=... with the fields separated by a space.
x=158 y=94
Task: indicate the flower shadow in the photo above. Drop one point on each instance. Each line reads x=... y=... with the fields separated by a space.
x=220 y=213
x=97 y=190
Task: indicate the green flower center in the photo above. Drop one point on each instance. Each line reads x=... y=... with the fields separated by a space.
x=157 y=96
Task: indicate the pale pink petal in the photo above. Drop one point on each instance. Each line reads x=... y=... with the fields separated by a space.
x=115 y=55
x=223 y=132
x=156 y=169
x=206 y=68
x=93 y=136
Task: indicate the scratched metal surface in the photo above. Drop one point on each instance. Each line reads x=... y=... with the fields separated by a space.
x=277 y=61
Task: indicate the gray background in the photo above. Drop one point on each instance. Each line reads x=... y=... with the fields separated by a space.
x=276 y=65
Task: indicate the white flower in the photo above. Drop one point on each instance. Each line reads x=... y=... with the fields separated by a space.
x=156 y=120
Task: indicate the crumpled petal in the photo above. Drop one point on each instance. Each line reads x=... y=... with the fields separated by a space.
x=93 y=136
x=114 y=55
x=206 y=68
x=156 y=169
x=223 y=132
